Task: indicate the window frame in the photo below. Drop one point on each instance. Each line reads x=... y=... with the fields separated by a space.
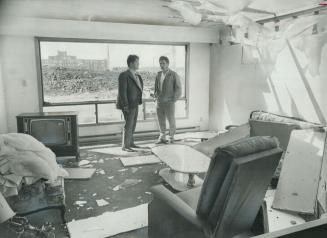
x=43 y=104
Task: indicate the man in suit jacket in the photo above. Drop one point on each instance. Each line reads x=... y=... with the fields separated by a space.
x=130 y=90
x=167 y=90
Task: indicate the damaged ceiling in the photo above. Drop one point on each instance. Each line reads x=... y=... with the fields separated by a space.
x=154 y=12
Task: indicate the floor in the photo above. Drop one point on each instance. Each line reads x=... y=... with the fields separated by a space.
x=110 y=172
x=82 y=195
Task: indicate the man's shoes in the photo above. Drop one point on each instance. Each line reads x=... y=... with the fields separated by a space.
x=135 y=146
x=161 y=141
x=127 y=149
x=171 y=141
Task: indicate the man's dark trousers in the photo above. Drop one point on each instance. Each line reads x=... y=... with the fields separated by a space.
x=129 y=127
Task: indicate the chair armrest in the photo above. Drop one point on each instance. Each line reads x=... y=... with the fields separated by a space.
x=177 y=204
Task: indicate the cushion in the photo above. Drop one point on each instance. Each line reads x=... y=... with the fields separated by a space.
x=266 y=116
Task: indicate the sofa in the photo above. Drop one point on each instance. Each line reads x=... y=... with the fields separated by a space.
x=260 y=123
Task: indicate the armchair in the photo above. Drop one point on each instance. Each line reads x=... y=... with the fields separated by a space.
x=229 y=199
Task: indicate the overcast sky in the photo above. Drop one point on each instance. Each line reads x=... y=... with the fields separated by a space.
x=149 y=54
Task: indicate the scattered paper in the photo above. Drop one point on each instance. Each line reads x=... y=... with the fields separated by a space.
x=117 y=151
x=134 y=170
x=80 y=203
x=110 y=177
x=102 y=202
x=101 y=161
x=126 y=184
x=122 y=170
x=100 y=171
x=110 y=223
x=83 y=162
x=79 y=173
x=139 y=160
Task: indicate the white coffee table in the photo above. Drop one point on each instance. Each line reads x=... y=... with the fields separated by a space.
x=184 y=163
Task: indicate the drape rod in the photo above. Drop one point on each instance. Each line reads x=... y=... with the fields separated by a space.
x=293 y=14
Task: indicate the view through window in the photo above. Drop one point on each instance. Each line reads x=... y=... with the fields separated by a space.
x=83 y=77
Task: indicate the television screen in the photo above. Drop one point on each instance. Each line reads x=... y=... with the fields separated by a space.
x=49 y=131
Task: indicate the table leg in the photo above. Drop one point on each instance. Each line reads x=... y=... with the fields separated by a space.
x=191 y=181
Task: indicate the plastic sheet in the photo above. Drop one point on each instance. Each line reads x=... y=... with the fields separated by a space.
x=312 y=46
x=231 y=6
x=187 y=11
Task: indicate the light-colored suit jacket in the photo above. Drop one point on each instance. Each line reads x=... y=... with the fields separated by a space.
x=171 y=87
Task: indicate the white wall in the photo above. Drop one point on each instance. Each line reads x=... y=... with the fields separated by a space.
x=20 y=69
x=19 y=77
x=236 y=89
x=3 y=110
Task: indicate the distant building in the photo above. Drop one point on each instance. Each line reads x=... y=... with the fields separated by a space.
x=68 y=61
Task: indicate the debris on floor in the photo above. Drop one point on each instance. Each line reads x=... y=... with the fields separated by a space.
x=139 y=160
x=122 y=170
x=79 y=173
x=126 y=184
x=110 y=223
x=21 y=226
x=100 y=171
x=134 y=170
x=102 y=202
x=200 y=135
x=80 y=203
x=100 y=161
x=83 y=162
x=117 y=151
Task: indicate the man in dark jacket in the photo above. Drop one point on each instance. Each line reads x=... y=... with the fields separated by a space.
x=167 y=91
x=130 y=90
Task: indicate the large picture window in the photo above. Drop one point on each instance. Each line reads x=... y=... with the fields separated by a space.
x=83 y=76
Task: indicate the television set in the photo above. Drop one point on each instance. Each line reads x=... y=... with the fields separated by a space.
x=56 y=130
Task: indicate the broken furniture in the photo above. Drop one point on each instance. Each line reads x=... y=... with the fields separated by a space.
x=260 y=123
x=273 y=219
x=33 y=204
x=182 y=160
x=56 y=130
x=5 y=210
x=40 y=196
x=229 y=199
x=208 y=147
x=299 y=179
